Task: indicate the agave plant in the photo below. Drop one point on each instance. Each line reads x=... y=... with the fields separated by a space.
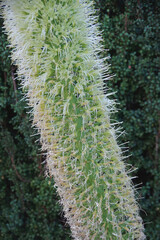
x=56 y=45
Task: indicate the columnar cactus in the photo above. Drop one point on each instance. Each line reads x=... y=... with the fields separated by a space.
x=56 y=46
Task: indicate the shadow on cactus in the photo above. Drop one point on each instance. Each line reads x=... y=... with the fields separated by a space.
x=56 y=46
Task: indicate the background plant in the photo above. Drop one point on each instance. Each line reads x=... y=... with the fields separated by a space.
x=131 y=33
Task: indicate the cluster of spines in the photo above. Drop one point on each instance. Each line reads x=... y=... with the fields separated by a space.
x=56 y=45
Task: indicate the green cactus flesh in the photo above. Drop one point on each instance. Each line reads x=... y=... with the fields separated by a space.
x=56 y=45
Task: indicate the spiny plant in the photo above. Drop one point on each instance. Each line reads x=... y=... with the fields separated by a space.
x=56 y=46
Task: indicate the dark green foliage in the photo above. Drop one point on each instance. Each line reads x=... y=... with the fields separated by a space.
x=29 y=208
x=131 y=33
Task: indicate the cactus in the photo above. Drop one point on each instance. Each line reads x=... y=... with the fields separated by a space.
x=56 y=45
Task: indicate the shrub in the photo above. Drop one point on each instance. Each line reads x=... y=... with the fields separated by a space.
x=130 y=31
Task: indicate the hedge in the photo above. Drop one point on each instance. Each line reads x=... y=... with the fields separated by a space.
x=131 y=33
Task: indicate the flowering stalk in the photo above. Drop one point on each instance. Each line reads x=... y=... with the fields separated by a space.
x=56 y=45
